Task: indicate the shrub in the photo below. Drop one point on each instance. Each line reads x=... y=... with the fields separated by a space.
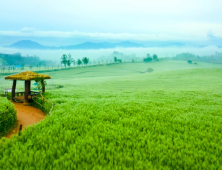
x=7 y=116
x=58 y=86
x=189 y=61
x=155 y=57
x=149 y=70
x=148 y=59
x=119 y=60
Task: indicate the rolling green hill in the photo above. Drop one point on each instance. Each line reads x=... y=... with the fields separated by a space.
x=118 y=117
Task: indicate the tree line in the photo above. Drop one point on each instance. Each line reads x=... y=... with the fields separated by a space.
x=18 y=59
x=149 y=58
x=67 y=60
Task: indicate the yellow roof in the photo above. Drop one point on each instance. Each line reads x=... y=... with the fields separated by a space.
x=27 y=75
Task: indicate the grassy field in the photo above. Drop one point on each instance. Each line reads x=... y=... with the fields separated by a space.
x=117 y=117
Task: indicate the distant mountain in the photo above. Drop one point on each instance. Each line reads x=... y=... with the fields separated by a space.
x=164 y=44
x=103 y=45
x=27 y=44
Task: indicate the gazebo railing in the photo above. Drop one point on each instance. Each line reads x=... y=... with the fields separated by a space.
x=20 y=95
x=40 y=102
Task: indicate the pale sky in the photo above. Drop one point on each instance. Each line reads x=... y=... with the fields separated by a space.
x=143 y=20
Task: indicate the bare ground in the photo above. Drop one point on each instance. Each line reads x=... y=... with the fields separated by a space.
x=27 y=116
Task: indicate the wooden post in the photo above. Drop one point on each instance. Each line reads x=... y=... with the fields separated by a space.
x=13 y=90
x=26 y=92
x=43 y=86
x=20 y=129
x=29 y=86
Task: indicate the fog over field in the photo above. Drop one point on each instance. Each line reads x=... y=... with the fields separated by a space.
x=193 y=23
x=55 y=55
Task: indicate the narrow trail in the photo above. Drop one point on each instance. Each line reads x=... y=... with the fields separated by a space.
x=26 y=115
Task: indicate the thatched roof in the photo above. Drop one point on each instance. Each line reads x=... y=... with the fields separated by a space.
x=27 y=75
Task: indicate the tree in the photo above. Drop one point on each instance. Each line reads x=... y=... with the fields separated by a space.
x=155 y=57
x=3 y=68
x=17 y=59
x=79 y=62
x=148 y=59
x=23 y=66
x=119 y=60
x=74 y=62
x=85 y=60
x=148 y=55
x=64 y=60
x=41 y=83
x=115 y=59
x=69 y=60
x=4 y=62
x=185 y=56
x=189 y=61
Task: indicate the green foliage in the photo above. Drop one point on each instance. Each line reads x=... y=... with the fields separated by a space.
x=85 y=60
x=119 y=60
x=115 y=59
x=7 y=116
x=22 y=68
x=149 y=70
x=148 y=59
x=69 y=60
x=155 y=57
x=58 y=86
x=17 y=59
x=79 y=62
x=41 y=83
x=64 y=60
x=2 y=68
x=165 y=120
x=42 y=103
x=185 y=56
x=189 y=61
x=8 y=95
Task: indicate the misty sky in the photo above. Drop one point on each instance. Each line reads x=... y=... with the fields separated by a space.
x=144 y=20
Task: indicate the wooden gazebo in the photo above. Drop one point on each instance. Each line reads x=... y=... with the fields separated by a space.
x=27 y=76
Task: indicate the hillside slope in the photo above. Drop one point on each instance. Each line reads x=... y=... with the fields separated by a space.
x=107 y=119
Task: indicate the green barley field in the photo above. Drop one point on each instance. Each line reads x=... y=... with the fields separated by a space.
x=118 y=117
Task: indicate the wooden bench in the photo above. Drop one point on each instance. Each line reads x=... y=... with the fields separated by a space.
x=20 y=96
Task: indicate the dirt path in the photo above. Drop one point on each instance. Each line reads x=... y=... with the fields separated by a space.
x=26 y=115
